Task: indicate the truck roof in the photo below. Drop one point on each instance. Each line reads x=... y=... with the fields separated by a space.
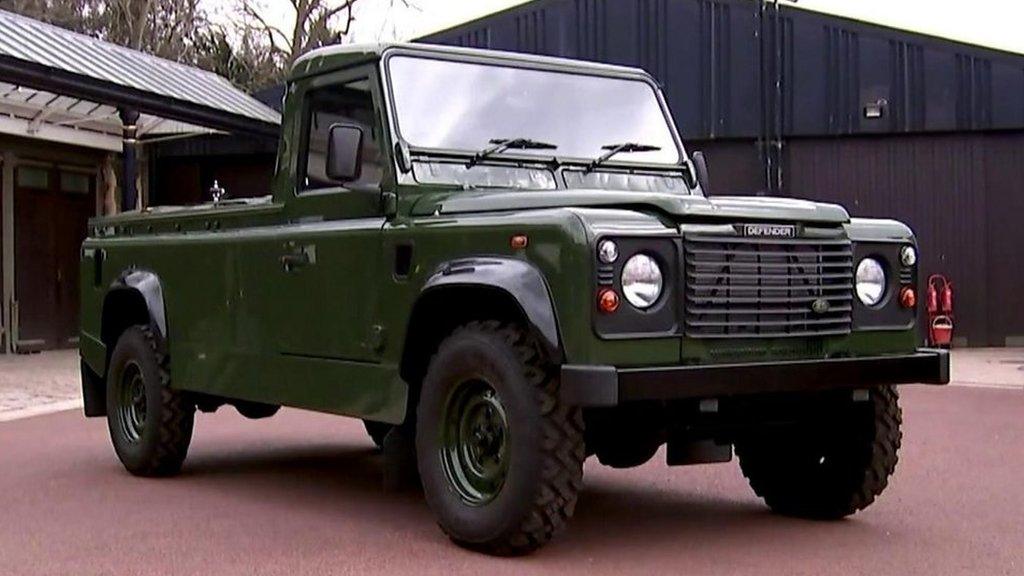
x=344 y=55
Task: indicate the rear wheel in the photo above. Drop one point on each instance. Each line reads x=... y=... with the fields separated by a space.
x=831 y=465
x=150 y=424
x=500 y=457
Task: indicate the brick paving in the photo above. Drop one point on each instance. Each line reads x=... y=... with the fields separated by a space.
x=31 y=383
x=989 y=367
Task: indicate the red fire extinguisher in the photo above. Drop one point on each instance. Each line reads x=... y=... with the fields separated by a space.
x=946 y=298
x=932 y=300
x=939 y=305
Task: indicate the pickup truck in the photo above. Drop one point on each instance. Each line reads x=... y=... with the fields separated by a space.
x=505 y=264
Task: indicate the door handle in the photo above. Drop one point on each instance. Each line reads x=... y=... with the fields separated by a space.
x=301 y=257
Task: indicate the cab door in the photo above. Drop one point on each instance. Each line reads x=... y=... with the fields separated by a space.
x=328 y=254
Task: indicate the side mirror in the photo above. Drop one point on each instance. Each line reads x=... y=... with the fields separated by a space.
x=344 y=152
x=700 y=166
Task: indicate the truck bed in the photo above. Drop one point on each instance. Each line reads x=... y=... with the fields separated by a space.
x=164 y=219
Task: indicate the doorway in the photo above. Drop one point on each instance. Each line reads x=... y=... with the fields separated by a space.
x=52 y=207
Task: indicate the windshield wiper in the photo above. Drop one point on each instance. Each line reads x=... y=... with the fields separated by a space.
x=613 y=149
x=502 y=144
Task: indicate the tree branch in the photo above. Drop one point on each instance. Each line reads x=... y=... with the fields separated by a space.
x=269 y=30
x=331 y=12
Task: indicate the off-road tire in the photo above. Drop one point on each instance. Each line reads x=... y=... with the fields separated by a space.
x=831 y=466
x=377 y=432
x=163 y=438
x=545 y=441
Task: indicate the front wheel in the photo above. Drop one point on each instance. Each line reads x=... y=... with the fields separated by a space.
x=500 y=457
x=832 y=463
x=150 y=423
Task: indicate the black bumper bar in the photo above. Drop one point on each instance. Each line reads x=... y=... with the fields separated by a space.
x=610 y=386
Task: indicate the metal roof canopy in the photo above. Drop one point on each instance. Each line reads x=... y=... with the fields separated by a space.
x=58 y=63
x=58 y=118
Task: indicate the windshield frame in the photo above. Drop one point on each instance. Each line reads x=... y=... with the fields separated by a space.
x=529 y=62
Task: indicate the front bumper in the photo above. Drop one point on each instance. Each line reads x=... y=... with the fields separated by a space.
x=609 y=386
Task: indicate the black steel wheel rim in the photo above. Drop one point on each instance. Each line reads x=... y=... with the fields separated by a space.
x=475 y=442
x=132 y=402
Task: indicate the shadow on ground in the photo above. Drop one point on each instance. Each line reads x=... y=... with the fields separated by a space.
x=615 y=509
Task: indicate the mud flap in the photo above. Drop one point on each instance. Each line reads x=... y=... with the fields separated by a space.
x=94 y=392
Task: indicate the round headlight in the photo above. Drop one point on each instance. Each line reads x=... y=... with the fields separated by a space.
x=641 y=281
x=908 y=256
x=870 y=281
x=607 y=251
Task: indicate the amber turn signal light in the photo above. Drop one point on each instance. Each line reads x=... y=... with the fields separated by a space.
x=607 y=301
x=908 y=298
x=519 y=241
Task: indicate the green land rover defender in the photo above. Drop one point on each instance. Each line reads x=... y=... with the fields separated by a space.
x=504 y=264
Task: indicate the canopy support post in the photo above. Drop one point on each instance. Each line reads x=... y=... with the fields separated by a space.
x=130 y=128
x=7 y=309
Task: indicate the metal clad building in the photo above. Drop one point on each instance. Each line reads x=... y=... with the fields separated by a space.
x=792 y=102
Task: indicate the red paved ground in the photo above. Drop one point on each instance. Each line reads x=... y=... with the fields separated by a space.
x=300 y=494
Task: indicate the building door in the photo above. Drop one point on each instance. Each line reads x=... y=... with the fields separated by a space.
x=51 y=213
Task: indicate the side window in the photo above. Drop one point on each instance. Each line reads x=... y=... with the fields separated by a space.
x=349 y=103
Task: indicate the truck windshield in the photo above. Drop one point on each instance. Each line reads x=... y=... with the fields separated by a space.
x=464 y=106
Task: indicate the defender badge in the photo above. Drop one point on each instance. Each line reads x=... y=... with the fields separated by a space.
x=820 y=306
x=769 y=230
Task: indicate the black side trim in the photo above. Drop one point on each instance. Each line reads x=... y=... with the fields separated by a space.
x=148 y=285
x=135 y=297
x=520 y=279
x=590 y=385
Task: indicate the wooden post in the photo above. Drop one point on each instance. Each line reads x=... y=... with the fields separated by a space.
x=108 y=187
x=129 y=188
x=7 y=256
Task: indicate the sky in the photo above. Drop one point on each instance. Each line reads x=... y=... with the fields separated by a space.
x=993 y=23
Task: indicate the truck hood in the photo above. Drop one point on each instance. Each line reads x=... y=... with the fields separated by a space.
x=676 y=206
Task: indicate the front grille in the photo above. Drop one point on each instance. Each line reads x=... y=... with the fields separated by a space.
x=767 y=287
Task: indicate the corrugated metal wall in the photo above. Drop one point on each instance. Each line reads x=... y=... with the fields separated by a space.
x=961 y=193
x=946 y=153
x=735 y=165
x=708 y=54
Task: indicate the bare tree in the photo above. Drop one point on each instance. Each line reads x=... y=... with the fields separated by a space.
x=250 y=51
x=166 y=28
x=178 y=30
x=317 y=23
x=71 y=14
x=240 y=55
